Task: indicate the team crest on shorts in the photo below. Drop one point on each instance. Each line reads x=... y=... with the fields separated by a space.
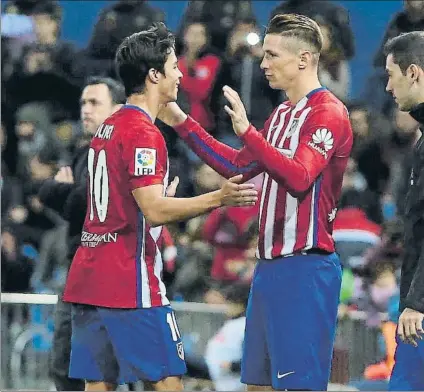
x=180 y=350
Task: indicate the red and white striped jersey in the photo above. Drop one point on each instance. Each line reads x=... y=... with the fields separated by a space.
x=118 y=263
x=303 y=151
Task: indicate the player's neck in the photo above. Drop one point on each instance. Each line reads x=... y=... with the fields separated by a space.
x=149 y=103
x=302 y=88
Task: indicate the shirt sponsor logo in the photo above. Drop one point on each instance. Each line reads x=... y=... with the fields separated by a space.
x=145 y=162
x=322 y=141
x=91 y=240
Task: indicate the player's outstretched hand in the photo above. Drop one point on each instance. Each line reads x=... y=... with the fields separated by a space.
x=172 y=187
x=233 y=193
x=65 y=175
x=237 y=111
x=171 y=114
x=410 y=326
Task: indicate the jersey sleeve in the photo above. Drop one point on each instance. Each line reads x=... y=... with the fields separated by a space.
x=322 y=135
x=145 y=156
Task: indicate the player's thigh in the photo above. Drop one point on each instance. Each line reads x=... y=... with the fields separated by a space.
x=147 y=343
x=255 y=366
x=408 y=372
x=92 y=355
x=301 y=313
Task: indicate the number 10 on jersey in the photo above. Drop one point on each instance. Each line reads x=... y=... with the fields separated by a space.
x=99 y=184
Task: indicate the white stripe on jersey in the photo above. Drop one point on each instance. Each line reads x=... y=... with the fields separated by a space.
x=145 y=287
x=155 y=232
x=310 y=238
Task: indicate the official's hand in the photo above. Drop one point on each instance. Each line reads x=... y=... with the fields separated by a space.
x=172 y=187
x=410 y=326
x=233 y=193
x=171 y=114
x=64 y=175
x=237 y=111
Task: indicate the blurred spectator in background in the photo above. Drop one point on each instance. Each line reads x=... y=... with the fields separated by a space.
x=193 y=263
x=334 y=70
x=229 y=231
x=354 y=232
x=200 y=67
x=32 y=129
x=224 y=350
x=16 y=266
x=371 y=134
x=221 y=17
x=377 y=290
x=241 y=71
x=411 y=18
x=115 y=22
x=47 y=53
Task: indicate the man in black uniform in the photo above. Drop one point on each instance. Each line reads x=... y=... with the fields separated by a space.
x=405 y=68
x=67 y=194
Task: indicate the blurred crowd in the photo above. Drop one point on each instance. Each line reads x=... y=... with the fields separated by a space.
x=210 y=258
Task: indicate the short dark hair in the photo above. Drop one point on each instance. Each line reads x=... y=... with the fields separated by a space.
x=140 y=52
x=297 y=26
x=116 y=89
x=406 y=49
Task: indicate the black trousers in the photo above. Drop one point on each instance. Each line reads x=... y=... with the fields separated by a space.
x=61 y=350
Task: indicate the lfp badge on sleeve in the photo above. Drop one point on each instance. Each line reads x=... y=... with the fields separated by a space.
x=145 y=162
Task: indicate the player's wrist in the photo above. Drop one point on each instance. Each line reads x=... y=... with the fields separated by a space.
x=217 y=198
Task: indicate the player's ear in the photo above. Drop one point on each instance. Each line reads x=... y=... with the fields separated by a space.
x=153 y=75
x=305 y=58
x=413 y=71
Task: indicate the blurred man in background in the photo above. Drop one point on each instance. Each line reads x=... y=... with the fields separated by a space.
x=405 y=69
x=67 y=194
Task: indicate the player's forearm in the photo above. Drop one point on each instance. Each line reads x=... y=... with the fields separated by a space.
x=170 y=209
x=227 y=161
x=282 y=169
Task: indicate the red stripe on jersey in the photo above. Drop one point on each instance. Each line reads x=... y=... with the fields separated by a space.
x=150 y=258
x=264 y=213
x=280 y=211
x=304 y=220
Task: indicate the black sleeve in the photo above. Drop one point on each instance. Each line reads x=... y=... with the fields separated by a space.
x=415 y=298
x=75 y=209
x=53 y=195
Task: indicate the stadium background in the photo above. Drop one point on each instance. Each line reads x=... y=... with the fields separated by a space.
x=370 y=210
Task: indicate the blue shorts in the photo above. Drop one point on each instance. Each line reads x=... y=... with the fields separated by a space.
x=125 y=345
x=291 y=322
x=408 y=372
